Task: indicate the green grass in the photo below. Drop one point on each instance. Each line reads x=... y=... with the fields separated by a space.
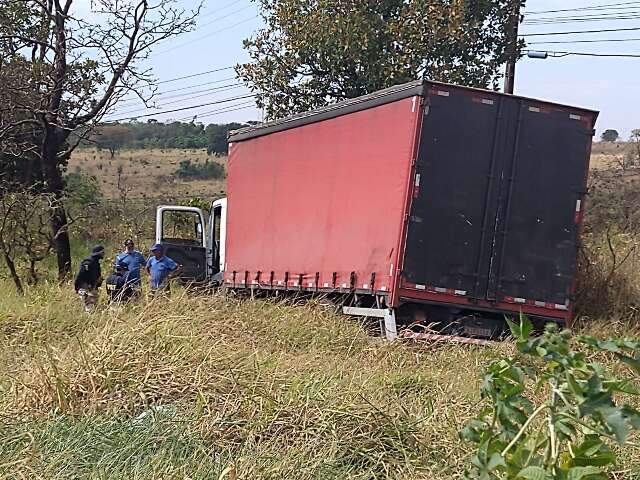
x=205 y=387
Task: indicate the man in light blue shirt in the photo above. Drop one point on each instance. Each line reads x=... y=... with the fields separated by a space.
x=134 y=261
x=160 y=268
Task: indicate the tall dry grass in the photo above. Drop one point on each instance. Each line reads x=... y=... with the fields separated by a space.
x=188 y=386
x=208 y=386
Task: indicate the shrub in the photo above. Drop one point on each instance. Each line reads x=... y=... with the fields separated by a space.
x=189 y=171
x=83 y=189
x=568 y=434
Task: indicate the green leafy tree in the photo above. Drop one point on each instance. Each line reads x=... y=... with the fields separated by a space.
x=312 y=53
x=113 y=138
x=610 y=135
x=568 y=435
x=217 y=137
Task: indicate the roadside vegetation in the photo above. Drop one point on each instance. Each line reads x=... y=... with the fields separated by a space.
x=188 y=171
x=204 y=385
x=208 y=386
x=195 y=386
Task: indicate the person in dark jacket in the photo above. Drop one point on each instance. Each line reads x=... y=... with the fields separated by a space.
x=89 y=278
x=119 y=287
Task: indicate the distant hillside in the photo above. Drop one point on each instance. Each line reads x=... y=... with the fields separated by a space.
x=605 y=155
x=146 y=172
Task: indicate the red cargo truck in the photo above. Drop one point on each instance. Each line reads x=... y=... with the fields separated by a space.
x=425 y=201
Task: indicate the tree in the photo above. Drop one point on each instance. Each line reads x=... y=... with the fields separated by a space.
x=313 y=53
x=217 y=137
x=25 y=238
x=60 y=74
x=113 y=138
x=610 y=135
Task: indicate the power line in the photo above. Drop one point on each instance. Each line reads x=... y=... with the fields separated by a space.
x=230 y=108
x=587 y=54
x=161 y=94
x=207 y=35
x=208 y=14
x=586 y=41
x=143 y=109
x=591 y=8
x=227 y=111
x=563 y=20
x=215 y=20
x=581 y=32
x=224 y=100
x=194 y=75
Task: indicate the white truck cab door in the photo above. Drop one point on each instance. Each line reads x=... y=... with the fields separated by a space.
x=218 y=236
x=182 y=233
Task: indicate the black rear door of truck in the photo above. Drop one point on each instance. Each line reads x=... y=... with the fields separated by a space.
x=498 y=183
x=454 y=176
x=538 y=242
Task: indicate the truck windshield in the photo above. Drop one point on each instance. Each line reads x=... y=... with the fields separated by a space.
x=184 y=228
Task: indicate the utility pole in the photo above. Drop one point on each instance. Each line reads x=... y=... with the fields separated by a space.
x=512 y=47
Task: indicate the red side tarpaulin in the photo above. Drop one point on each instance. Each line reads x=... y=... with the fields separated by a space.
x=322 y=200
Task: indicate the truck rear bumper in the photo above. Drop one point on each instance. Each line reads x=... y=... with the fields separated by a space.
x=445 y=299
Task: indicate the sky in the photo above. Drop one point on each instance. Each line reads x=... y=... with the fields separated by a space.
x=610 y=85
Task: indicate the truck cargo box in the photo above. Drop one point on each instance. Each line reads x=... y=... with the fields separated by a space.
x=426 y=194
x=425 y=191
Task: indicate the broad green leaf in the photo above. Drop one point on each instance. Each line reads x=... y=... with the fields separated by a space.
x=516 y=331
x=574 y=385
x=595 y=402
x=612 y=345
x=565 y=427
x=617 y=423
x=526 y=327
x=534 y=473
x=586 y=473
x=627 y=386
x=496 y=461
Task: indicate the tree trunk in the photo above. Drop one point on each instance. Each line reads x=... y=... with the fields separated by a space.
x=54 y=143
x=14 y=274
x=33 y=275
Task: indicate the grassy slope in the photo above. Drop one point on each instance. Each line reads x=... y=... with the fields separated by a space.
x=277 y=391
x=267 y=390
x=146 y=172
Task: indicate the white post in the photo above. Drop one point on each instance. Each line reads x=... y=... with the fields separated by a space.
x=390 y=327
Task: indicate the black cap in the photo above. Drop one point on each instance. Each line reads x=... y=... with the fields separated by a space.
x=97 y=251
x=128 y=242
x=121 y=266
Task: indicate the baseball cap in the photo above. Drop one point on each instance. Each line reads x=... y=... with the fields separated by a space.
x=97 y=251
x=121 y=266
x=156 y=248
x=128 y=242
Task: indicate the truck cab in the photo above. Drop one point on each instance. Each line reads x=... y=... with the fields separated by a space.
x=195 y=239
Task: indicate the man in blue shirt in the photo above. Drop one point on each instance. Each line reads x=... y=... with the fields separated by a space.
x=134 y=261
x=161 y=268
